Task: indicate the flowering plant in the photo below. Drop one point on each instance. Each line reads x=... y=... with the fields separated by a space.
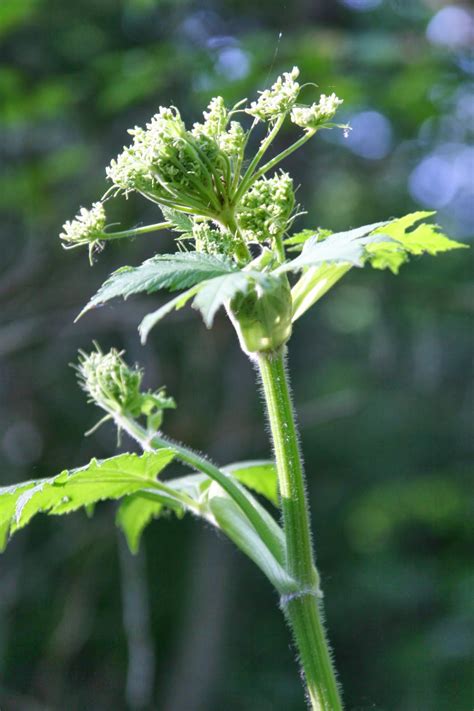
x=233 y=216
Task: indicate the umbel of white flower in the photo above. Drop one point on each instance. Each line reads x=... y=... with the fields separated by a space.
x=88 y=226
x=277 y=100
x=230 y=200
x=316 y=115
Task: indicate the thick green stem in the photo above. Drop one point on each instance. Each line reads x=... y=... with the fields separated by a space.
x=302 y=609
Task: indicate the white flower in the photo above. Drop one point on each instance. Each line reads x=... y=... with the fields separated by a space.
x=86 y=228
x=317 y=114
x=278 y=99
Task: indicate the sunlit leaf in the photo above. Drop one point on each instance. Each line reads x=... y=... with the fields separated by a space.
x=261 y=476
x=70 y=490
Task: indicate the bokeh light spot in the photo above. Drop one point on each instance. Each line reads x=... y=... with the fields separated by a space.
x=371 y=135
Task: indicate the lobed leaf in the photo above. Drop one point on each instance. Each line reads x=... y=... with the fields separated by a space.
x=70 y=490
x=164 y=271
x=383 y=245
x=340 y=247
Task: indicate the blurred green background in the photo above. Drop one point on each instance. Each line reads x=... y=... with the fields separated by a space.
x=381 y=369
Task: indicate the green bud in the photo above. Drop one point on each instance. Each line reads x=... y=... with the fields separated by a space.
x=262 y=318
x=212 y=241
x=265 y=209
x=116 y=387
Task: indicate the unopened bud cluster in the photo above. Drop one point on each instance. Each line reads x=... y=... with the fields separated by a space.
x=266 y=208
x=211 y=240
x=116 y=387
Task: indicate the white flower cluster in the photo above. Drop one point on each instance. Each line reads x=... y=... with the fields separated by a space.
x=152 y=155
x=266 y=208
x=86 y=228
x=231 y=141
x=317 y=114
x=215 y=119
x=277 y=100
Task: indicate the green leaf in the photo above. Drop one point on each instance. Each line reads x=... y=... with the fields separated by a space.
x=425 y=238
x=70 y=490
x=134 y=514
x=216 y=292
x=261 y=476
x=296 y=241
x=340 y=247
x=180 y=221
x=164 y=271
x=386 y=245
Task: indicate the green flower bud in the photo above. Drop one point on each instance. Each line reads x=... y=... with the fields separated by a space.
x=265 y=209
x=316 y=115
x=232 y=142
x=277 y=100
x=212 y=241
x=116 y=387
x=262 y=318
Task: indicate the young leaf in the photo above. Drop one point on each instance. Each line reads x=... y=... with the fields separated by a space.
x=386 y=245
x=165 y=271
x=70 y=490
x=261 y=476
x=341 y=247
x=180 y=221
x=426 y=238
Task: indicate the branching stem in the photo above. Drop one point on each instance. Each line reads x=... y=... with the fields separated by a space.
x=196 y=461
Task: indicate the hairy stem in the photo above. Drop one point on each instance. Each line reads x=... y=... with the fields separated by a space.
x=136 y=231
x=302 y=609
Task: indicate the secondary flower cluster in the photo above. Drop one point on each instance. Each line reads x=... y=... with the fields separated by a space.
x=266 y=208
x=116 y=387
x=316 y=115
x=167 y=163
x=87 y=227
x=277 y=100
